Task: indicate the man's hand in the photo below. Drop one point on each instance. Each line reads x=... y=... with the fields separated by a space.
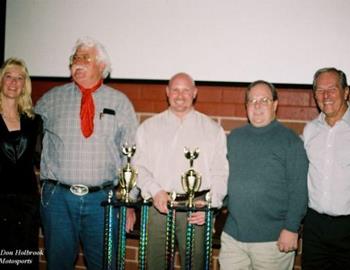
x=160 y=201
x=288 y=241
x=197 y=218
x=130 y=219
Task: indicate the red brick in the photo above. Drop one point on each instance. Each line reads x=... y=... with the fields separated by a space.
x=297 y=113
x=298 y=127
x=153 y=92
x=229 y=124
x=209 y=94
x=221 y=109
x=294 y=97
x=131 y=266
x=132 y=242
x=313 y=101
x=233 y=95
x=160 y=106
x=131 y=253
x=132 y=91
x=240 y=110
x=143 y=105
x=40 y=87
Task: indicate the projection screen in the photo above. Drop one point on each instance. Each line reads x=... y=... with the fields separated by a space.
x=283 y=41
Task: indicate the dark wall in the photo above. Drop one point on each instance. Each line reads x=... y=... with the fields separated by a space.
x=2 y=29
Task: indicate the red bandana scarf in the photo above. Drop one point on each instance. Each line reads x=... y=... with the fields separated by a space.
x=87 y=109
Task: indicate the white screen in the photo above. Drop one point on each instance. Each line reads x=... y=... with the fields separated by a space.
x=283 y=41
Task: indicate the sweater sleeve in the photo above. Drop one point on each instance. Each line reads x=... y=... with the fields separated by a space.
x=296 y=172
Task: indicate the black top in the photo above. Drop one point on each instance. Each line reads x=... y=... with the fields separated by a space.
x=18 y=155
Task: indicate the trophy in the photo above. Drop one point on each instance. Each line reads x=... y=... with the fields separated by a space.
x=208 y=231
x=127 y=175
x=191 y=180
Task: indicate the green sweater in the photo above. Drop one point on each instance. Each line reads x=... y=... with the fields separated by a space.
x=267 y=187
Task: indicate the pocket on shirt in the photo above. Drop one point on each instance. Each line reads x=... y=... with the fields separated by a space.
x=105 y=125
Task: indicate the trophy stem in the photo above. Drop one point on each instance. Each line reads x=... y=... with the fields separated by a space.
x=143 y=236
x=127 y=197
x=190 y=200
x=189 y=244
x=122 y=238
x=208 y=238
x=107 y=238
x=170 y=238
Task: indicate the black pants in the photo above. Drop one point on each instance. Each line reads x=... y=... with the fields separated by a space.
x=326 y=242
x=19 y=230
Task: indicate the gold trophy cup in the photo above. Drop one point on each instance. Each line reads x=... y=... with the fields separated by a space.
x=127 y=175
x=191 y=180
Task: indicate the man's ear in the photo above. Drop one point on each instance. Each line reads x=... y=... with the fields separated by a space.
x=346 y=93
x=195 y=91
x=275 y=104
x=102 y=67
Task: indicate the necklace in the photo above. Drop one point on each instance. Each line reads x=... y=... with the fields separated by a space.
x=11 y=118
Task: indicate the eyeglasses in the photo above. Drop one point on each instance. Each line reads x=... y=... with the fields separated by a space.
x=263 y=101
x=84 y=58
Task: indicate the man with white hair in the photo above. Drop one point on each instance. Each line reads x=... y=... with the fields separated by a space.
x=85 y=124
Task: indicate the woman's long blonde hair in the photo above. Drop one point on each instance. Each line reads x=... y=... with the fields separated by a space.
x=25 y=104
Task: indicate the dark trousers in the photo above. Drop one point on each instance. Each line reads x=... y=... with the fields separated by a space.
x=326 y=242
x=19 y=230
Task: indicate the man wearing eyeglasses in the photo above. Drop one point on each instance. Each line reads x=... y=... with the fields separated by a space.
x=267 y=188
x=326 y=231
x=85 y=124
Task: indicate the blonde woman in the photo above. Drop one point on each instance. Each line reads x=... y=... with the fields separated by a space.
x=19 y=197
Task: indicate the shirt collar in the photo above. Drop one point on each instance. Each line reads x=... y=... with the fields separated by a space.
x=190 y=115
x=345 y=118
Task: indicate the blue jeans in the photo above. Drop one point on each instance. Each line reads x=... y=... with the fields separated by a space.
x=69 y=219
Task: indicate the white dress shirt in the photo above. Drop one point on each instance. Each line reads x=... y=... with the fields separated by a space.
x=328 y=150
x=160 y=159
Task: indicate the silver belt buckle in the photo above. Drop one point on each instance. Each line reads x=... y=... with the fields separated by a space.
x=79 y=189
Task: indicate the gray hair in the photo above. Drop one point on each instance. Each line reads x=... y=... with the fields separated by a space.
x=341 y=76
x=101 y=53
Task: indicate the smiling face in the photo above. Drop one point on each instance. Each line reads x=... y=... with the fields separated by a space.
x=86 y=70
x=181 y=92
x=13 y=81
x=261 y=108
x=331 y=97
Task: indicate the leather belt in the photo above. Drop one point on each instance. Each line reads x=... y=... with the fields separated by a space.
x=314 y=212
x=184 y=196
x=80 y=189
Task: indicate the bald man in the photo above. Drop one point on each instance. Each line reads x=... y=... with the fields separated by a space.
x=160 y=162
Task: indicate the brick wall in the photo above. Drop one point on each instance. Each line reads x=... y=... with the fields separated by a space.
x=224 y=102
